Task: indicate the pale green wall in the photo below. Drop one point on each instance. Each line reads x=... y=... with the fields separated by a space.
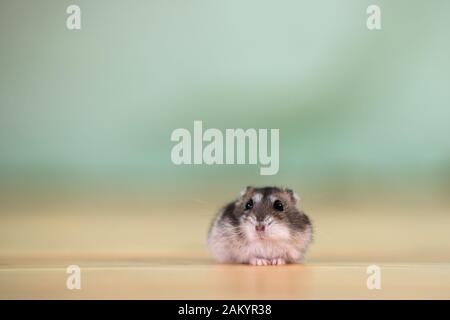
x=97 y=106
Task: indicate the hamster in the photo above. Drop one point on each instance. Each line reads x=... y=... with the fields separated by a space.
x=262 y=227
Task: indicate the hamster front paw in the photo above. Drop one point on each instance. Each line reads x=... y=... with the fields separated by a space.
x=260 y=262
x=278 y=261
x=267 y=262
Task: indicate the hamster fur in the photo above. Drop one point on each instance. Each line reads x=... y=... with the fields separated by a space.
x=262 y=227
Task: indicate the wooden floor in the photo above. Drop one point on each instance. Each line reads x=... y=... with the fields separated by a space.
x=182 y=278
x=136 y=255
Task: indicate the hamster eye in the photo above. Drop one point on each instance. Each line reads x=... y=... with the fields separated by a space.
x=277 y=205
x=249 y=205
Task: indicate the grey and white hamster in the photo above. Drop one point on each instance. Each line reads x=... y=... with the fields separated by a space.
x=262 y=227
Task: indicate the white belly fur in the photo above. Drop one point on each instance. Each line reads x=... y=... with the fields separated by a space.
x=227 y=247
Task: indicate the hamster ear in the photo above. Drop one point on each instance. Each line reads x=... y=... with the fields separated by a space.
x=245 y=191
x=294 y=197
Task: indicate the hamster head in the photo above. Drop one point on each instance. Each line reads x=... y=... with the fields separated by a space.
x=269 y=213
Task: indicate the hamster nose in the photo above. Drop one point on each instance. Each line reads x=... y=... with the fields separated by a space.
x=260 y=227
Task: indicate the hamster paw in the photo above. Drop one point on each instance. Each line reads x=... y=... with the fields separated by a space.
x=260 y=262
x=277 y=261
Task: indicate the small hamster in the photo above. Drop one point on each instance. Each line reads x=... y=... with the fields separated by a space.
x=262 y=227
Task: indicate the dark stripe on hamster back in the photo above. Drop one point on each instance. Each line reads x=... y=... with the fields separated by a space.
x=267 y=191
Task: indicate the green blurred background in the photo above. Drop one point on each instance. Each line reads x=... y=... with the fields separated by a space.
x=86 y=116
